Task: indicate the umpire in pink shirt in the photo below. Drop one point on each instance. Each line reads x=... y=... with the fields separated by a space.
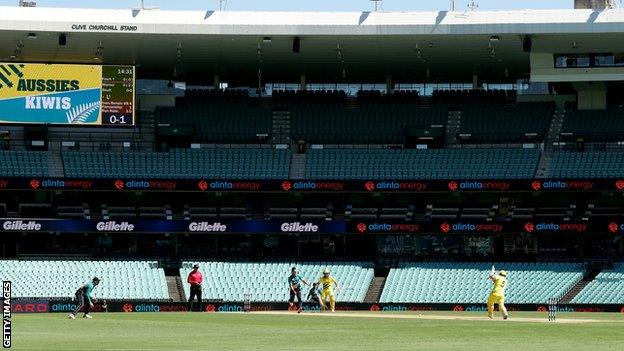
x=195 y=278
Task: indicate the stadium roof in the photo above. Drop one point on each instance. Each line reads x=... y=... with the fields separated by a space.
x=450 y=45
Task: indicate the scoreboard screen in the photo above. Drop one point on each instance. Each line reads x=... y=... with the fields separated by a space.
x=72 y=95
x=117 y=95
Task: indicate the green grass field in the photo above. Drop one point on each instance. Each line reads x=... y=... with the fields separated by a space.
x=314 y=331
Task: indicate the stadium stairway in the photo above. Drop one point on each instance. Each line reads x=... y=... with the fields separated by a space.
x=298 y=166
x=578 y=287
x=55 y=164
x=452 y=128
x=544 y=164
x=280 y=127
x=374 y=290
x=176 y=290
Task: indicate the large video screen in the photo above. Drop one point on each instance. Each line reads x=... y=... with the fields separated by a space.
x=60 y=94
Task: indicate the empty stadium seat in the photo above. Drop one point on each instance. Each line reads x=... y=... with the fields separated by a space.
x=61 y=279
x=268 y=282
x=587 y=165
x=181 y=163
x=421 y=164
x=506 y=123
x=216 y=117
x=23 y=164
x=594 y=125
x=607 y=287
x=452 y=282
x=374 y=119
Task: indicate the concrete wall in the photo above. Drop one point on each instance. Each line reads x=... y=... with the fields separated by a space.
x=149 y=102
x=543 y=70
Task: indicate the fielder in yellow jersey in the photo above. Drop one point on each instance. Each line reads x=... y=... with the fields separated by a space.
x=327 y=283
x=497 y=296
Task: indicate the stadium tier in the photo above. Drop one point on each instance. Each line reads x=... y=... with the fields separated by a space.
x=369 y=124
x=451 y=282
x=61 y=279
x=209 y=163
x=267 y=282
x=421 y=164
x=587 y=165
x=606 y=287
x=23 y=164
x=458 y=97
x=218 y=119
x=506 y=123
x=595 y=125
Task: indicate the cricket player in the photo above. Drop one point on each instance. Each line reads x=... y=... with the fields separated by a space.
x=313 y=294
x=84 y=298
x=327 y=283
x=294 y=284
x=497 y=296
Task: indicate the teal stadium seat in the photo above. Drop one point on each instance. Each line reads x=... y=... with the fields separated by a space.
x=61 y=279
x=232 y=120
x=421 y=164
x=506 y=123
x=453 y=282
x=181 y=164
x=587 y=165
x=383 y=121
x=606 y=288
x=267 y=282
x=595 y=125
x=23 y=164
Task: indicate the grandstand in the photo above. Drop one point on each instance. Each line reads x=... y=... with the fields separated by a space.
x=448 y=282
x=180 y=164
x=358 y=141
x=266 y=282
x=417 y=164
x=605 y=288
x=40 y=278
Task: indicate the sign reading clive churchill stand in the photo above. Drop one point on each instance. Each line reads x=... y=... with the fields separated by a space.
x=58 y=94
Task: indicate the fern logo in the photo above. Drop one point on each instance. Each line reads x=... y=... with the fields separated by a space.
x=82 y=112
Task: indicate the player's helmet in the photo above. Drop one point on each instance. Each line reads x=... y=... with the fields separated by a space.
x=503 y=273
x=326 y=271
x=96 y=280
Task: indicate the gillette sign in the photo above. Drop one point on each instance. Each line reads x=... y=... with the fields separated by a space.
x=555 y=227
x=20 y=225
x=206 y=227
x=297 y=227
x=113 y=226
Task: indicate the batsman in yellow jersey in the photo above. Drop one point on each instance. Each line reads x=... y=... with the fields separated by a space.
x=497 y=296
x=327 y=283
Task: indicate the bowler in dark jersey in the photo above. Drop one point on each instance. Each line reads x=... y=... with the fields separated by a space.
x=84 y=298
x=294 y=284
